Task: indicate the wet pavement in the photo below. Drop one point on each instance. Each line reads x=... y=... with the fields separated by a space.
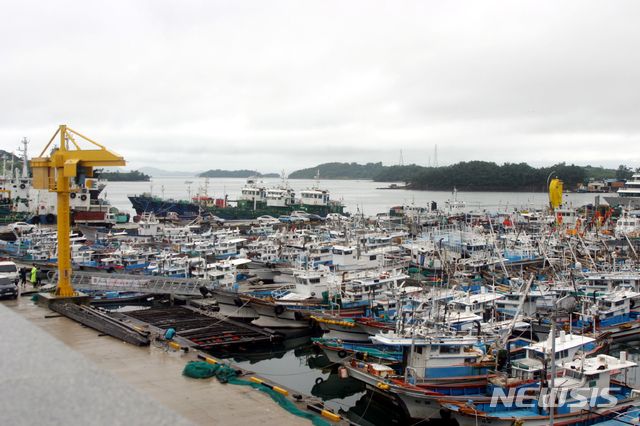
x=108 y=372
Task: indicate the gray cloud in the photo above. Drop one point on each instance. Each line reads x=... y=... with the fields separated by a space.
x=278 y=85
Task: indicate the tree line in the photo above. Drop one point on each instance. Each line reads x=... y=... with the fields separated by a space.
x=340 y=171
x=132 y=176
x=487 y=176
x=470 y=176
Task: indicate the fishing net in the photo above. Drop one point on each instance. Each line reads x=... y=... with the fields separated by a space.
x=34 y=298
x=226 y=374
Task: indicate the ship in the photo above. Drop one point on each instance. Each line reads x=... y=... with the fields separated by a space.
x=629 y=196
x=14 y=189
x=254 y=201
x=19 y=201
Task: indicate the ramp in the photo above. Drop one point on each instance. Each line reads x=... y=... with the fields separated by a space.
x=139 y=283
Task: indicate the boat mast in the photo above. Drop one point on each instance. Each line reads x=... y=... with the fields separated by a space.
x=553 y=367
x=25 y=164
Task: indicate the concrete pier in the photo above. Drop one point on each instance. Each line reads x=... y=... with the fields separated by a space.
x=118 y=383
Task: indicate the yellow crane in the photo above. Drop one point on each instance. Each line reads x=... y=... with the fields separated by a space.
x=54 y=173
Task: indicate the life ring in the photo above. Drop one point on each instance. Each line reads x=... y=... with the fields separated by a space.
x=238 y=302
x=319 y=380
x=83 y=197
x=342 y=353
x=279 y=310
x=35 y=220
x=312 y=323
x=23 y=186
x=359 y=355
x=50 y=218
x=297 y=315
x=72 y=195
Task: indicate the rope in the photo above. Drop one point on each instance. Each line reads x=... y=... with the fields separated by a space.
x=365 y=410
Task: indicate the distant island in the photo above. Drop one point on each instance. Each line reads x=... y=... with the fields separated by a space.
x=132 y=176
x=236 y=174
x=466 y=176
x=340 y=171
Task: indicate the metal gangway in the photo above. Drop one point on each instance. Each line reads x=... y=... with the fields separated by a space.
x=101 y=281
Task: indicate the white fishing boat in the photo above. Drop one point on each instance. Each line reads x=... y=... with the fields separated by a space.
x=584 y=394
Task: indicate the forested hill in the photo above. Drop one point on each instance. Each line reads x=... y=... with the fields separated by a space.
x=340 y=171
x=131 y=176
x=217 y=173
x=486 y=176
x=468 y=176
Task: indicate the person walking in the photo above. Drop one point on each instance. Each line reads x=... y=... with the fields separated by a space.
x=23 y=276
x=38 y=277
x=34 y=271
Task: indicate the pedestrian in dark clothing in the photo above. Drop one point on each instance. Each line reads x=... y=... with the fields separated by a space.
x=23 y=277
x=38 y=277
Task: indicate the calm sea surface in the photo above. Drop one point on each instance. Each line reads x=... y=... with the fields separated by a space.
x=358 y=195
x=295 y=364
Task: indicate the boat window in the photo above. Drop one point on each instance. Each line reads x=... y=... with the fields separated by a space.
x=434 y=349
x=372 y=257
x=418 y=349
x=562 y=354
x=314 y=280
x=536 y=355
x=449 y=349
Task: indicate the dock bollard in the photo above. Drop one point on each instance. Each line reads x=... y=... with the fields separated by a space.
x=209 y=360
x=275 y=388
x=325 y=413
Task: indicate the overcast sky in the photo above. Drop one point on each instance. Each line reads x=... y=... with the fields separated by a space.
x=284 y=85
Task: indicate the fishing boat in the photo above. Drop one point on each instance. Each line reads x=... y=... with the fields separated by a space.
x=585 y=394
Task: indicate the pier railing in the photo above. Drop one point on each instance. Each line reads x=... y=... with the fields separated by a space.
x=139 y=283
